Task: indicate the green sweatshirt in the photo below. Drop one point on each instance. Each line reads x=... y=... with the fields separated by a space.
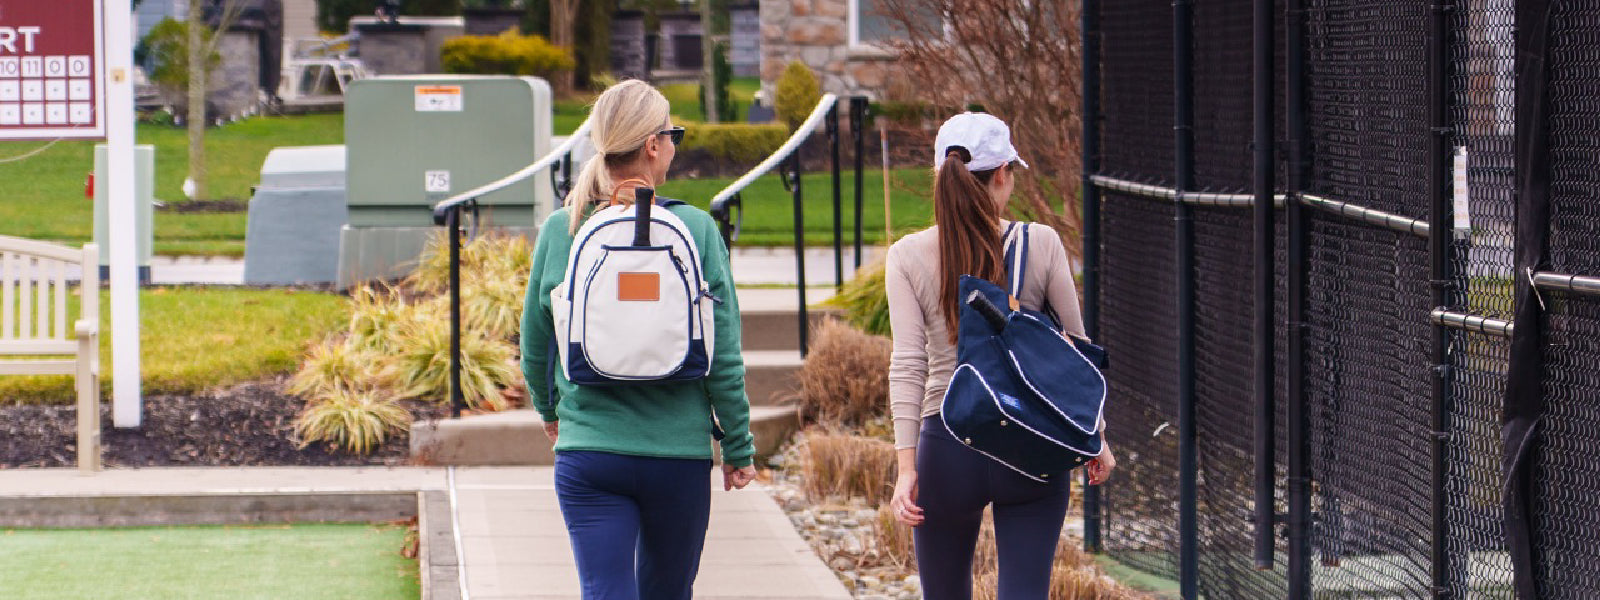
x=671 y=420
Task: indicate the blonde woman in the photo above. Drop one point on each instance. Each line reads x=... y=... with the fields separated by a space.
x=633 y=461
x=943 y=486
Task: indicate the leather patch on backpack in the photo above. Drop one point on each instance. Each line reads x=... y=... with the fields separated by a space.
x=639 y=287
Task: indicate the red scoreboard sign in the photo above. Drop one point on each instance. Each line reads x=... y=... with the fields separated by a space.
x=52 y=79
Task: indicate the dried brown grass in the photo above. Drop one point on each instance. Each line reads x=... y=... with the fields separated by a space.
x=845 y=380
x=842 y=465
x=1075 y=575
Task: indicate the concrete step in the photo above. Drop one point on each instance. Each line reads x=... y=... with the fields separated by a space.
x=516 y=437
x=770 y=375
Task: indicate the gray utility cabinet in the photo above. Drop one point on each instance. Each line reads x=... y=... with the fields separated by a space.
x=295 y=217
x=144 y=168
x=416 y=140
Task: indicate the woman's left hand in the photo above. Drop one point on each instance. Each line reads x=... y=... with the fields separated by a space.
x=1100 y=467
x=737 y=477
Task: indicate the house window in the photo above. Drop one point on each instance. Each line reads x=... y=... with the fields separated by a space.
x=870 y=26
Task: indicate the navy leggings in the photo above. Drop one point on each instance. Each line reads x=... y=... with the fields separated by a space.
x=637 y=523
x=954 y=484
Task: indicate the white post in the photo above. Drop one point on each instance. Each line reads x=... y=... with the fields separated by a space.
x=123 y=221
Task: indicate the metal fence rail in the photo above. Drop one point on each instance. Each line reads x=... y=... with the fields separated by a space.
x=1426 y=236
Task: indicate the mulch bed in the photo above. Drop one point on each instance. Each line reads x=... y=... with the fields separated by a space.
x=246 y=425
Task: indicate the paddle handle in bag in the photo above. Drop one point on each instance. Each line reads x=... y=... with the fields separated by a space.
x=643 y=199
x=987 y=310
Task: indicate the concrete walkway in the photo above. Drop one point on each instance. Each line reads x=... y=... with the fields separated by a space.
x=513 y=542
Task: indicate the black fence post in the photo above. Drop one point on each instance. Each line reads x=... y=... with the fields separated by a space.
x=457 y=399
x=1265 y=250
x=1298 y=417
x=838 y=214
x=1439 y=245
x=858 y=126
x=793 y=178
x=1092 y=511
x=1183 y=139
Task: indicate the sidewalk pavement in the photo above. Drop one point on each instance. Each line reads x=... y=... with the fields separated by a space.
x=514 y=545
x=752 y=265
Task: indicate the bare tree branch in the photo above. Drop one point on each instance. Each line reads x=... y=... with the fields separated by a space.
x=1020 y=60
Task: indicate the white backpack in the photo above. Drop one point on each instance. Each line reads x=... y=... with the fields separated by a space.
x=633 y=305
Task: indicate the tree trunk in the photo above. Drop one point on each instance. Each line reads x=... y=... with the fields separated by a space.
x=563 y=22
x=708 y=73
x=198 y=77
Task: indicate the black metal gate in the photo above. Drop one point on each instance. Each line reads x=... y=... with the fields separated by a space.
x=1316 y=230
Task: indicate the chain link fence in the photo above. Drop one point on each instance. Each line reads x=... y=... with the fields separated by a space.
x=1370 y=320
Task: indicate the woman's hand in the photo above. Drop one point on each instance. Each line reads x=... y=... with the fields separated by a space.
x=904 y=500
x=1100 y=467
x=737 y=477
x=552 y=429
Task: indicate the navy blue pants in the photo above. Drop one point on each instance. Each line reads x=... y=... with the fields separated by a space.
x=954 y=484
x=637 y=523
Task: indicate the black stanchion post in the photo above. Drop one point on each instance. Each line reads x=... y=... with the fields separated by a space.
x=1265 y=249
x=858 y=126
x=799 y=248
x=1188 y=466
x=1439 y=245
x=1299 y=414
x=457 y=399
x=1092 y=511
x=838 y=213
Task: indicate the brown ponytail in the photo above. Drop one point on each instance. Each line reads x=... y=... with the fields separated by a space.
x=969 y=231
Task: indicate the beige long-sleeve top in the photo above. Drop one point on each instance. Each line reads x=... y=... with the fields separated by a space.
x=923 y=357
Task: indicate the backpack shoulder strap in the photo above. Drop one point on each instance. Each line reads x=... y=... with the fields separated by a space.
x=1016 y=256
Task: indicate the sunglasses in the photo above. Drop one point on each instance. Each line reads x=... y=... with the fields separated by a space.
x=675 y=132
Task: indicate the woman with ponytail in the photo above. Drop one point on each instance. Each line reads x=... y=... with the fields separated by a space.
x=633 y=461
x=943 y=486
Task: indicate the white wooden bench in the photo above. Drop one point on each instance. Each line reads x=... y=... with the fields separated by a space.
x=34 y=338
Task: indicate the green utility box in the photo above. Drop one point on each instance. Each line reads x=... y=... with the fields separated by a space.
x=414 y=141
x=144 y=167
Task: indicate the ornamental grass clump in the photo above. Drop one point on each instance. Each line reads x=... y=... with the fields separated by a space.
x=397 y=345
x=422 y=365
x=845 y=379
x=865 y=300
x=357 y=421
x=843 y=465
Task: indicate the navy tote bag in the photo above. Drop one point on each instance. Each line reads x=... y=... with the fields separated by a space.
x=1023 y=393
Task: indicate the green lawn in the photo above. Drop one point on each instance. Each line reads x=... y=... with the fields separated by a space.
x=769 y=209
x=198 y=338
x=42 y=197
x=303 y=562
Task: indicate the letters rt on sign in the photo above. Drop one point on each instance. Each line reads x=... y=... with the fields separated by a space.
x=52 y=75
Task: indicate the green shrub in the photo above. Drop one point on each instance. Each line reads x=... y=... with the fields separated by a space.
x=865 y=300
x=735 y=141
x=796 y=94
x=506 y=54
x=166 y=47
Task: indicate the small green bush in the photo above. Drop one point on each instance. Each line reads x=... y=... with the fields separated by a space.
x=167 y=49
x=506 y=54
x=357 y=421
x=721 y=73
x=735 y=141
x=796 y=94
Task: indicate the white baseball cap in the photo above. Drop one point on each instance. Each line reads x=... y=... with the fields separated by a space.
x=984 y=136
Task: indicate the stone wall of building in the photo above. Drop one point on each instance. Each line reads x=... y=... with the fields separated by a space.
x=236 y=81
x=817 y=33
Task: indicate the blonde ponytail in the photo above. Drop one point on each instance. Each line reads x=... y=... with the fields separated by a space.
x=624 y=117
